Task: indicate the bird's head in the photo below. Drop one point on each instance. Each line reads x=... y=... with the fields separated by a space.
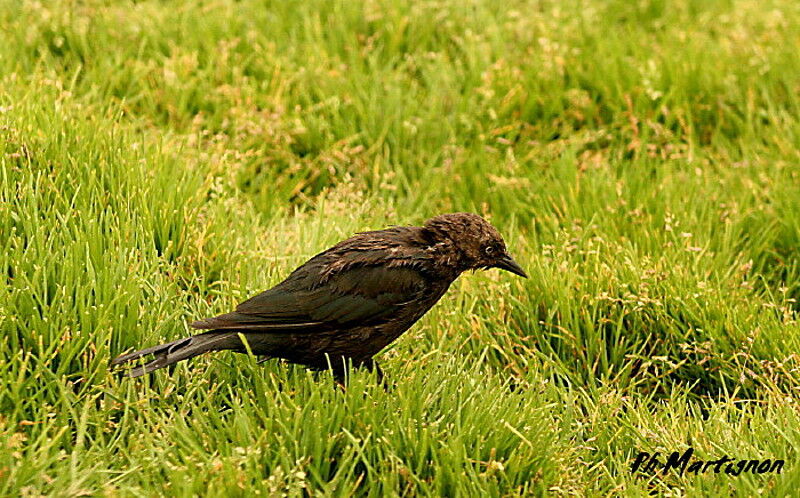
x=478 y=243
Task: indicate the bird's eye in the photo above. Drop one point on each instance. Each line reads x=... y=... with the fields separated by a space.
x=489 y=250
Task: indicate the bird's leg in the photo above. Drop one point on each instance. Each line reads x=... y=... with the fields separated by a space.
x=372 y=365
x=339 y=371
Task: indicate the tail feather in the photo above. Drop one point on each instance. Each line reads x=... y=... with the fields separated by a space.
x=175 y=351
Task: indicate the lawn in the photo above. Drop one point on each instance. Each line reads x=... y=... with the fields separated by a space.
x=162 y=161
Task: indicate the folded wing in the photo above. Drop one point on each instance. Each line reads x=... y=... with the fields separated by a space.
x=362 y=295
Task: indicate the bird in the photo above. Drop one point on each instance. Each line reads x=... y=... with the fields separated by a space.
x=347 y=303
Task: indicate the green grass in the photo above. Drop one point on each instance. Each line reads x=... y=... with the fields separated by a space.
x=162 y=161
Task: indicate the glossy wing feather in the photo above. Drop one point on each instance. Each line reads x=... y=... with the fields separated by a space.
x=362 y=294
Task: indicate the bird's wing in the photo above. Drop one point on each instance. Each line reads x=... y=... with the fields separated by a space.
x=360 y=294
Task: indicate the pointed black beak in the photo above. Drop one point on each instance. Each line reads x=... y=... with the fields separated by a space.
x=507 y=263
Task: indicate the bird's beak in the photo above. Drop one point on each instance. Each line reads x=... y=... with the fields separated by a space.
x=507 y=263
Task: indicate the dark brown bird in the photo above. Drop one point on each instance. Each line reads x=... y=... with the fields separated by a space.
x=347 y=303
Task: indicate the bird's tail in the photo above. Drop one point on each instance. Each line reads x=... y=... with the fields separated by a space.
x=182 y=349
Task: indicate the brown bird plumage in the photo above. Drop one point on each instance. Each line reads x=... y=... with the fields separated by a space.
x=349 y=302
